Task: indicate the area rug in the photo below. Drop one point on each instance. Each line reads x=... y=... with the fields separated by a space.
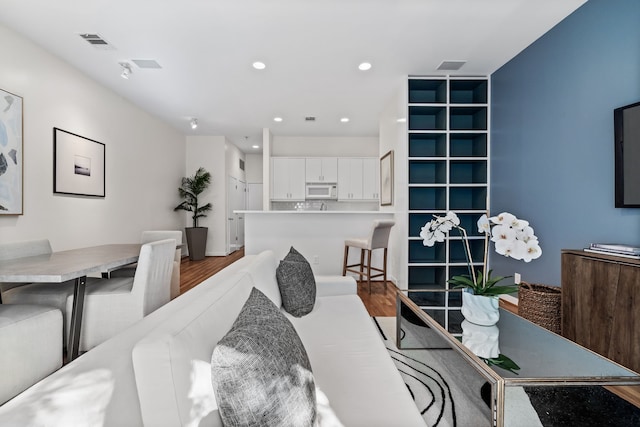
x=447 y=391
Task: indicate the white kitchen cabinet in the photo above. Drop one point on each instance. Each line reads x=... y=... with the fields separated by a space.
x=322 y=169
x=370 y=179
x=350 y=179
x=358 y=179
x=287 y=179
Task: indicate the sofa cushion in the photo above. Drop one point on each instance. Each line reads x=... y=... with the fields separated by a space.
x=352 y=365
x=260 y=370
x=297 y=287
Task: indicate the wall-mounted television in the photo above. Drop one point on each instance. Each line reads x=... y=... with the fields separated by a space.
x=626 y=121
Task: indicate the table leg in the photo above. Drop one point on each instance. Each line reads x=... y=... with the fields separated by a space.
x=76 y=318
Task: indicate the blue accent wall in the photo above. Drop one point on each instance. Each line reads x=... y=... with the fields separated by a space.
x=552 y=158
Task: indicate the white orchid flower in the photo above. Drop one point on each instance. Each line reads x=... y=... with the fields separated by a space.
x=505 y=218
x=452 y=217
x=439 y=235
x=519 y=224
x=502 y=232
x=426 y=234
x=532 y=251
x=484 y=226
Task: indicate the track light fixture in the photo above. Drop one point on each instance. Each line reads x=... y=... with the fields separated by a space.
x=194 y=123
x=126 y=70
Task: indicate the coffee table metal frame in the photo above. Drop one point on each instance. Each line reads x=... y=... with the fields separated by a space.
x=497 y=381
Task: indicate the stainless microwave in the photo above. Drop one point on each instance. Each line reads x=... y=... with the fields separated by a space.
x=321 y=191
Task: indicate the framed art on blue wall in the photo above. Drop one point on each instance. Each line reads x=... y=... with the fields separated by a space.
x=78 y=165
x=11 y=149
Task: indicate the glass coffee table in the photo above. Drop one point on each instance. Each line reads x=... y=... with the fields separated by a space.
x=496 y=395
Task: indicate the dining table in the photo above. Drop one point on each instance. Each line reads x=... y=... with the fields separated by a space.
x=75 y=264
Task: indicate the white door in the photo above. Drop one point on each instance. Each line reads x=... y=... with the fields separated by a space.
x=232 y=229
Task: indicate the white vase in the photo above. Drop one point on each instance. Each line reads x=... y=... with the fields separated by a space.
x=479 y=309
x=481 y=340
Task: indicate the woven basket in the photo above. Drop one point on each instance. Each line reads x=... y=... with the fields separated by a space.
x=541 y=304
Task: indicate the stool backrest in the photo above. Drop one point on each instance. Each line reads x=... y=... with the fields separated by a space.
x=379 y=237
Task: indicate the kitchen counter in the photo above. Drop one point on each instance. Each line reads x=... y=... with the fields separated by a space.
x=318 y=235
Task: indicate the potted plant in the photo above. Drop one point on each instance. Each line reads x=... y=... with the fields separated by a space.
x=189 y=190
x=513 y=238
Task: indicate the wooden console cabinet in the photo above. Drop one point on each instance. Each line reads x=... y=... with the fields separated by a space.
x=600 y=304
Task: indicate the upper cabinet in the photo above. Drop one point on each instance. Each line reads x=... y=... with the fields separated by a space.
x=370 y=179
x=358 y=179
x=287 y=179
x=321 y=169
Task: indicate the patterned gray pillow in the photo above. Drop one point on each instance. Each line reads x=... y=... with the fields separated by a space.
x=260 y=371
x=297 y=287
x=294 y=255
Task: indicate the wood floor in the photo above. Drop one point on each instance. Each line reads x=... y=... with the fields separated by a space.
x=378 y=303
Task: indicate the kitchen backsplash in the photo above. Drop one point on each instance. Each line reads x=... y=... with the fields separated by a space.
x=328 y=205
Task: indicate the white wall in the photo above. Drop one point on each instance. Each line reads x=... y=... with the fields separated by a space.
x=393 y=136
x=144 y=157
x=318 y=146
x=253 y=168
x=209 y=152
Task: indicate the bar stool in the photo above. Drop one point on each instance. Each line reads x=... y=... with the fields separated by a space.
x=378 y=239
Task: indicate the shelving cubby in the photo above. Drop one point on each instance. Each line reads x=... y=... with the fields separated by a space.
x=448 y=169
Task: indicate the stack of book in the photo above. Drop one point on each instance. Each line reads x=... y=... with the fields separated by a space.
x=615 y=249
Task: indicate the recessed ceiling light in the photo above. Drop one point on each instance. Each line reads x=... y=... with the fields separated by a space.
x=402 y=120
x=277 y=119
x=364 y=66
x=194 y=123
x=344 y=119
x=259 y=65
x=255 y=146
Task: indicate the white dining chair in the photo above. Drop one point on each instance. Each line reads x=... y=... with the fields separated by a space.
x=112 y=305
x=153 y=236
x=31 y=340
x=15 y=250
x=44 y=294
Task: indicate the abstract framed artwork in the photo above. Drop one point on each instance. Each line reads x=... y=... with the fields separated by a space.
x=78 y=165
x=386 y=179
x=11 y=149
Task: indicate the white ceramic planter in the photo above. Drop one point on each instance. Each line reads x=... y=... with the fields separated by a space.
x=479 y=309
x=483 y=341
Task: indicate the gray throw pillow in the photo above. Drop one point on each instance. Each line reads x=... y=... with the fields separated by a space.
x=260 y=370
x=297 y=287
x=294 y=255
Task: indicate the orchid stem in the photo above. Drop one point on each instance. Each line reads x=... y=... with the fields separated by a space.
x=468 y=253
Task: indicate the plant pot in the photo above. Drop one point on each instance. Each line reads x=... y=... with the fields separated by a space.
x=196 y=242
x=479 y=309
x=483 y=341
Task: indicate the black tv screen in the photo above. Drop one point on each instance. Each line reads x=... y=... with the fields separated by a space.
x=626 y=121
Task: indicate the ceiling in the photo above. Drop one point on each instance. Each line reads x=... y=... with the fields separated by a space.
x=311 y=49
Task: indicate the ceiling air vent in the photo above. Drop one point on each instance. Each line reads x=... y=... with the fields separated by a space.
x=451 y=65
x=146 y=63
x=309 y=119
x=96 y=41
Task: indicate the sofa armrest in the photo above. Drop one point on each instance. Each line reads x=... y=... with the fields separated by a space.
x=335 y=285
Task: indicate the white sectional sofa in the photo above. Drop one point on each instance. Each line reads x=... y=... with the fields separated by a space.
x=157 y=373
